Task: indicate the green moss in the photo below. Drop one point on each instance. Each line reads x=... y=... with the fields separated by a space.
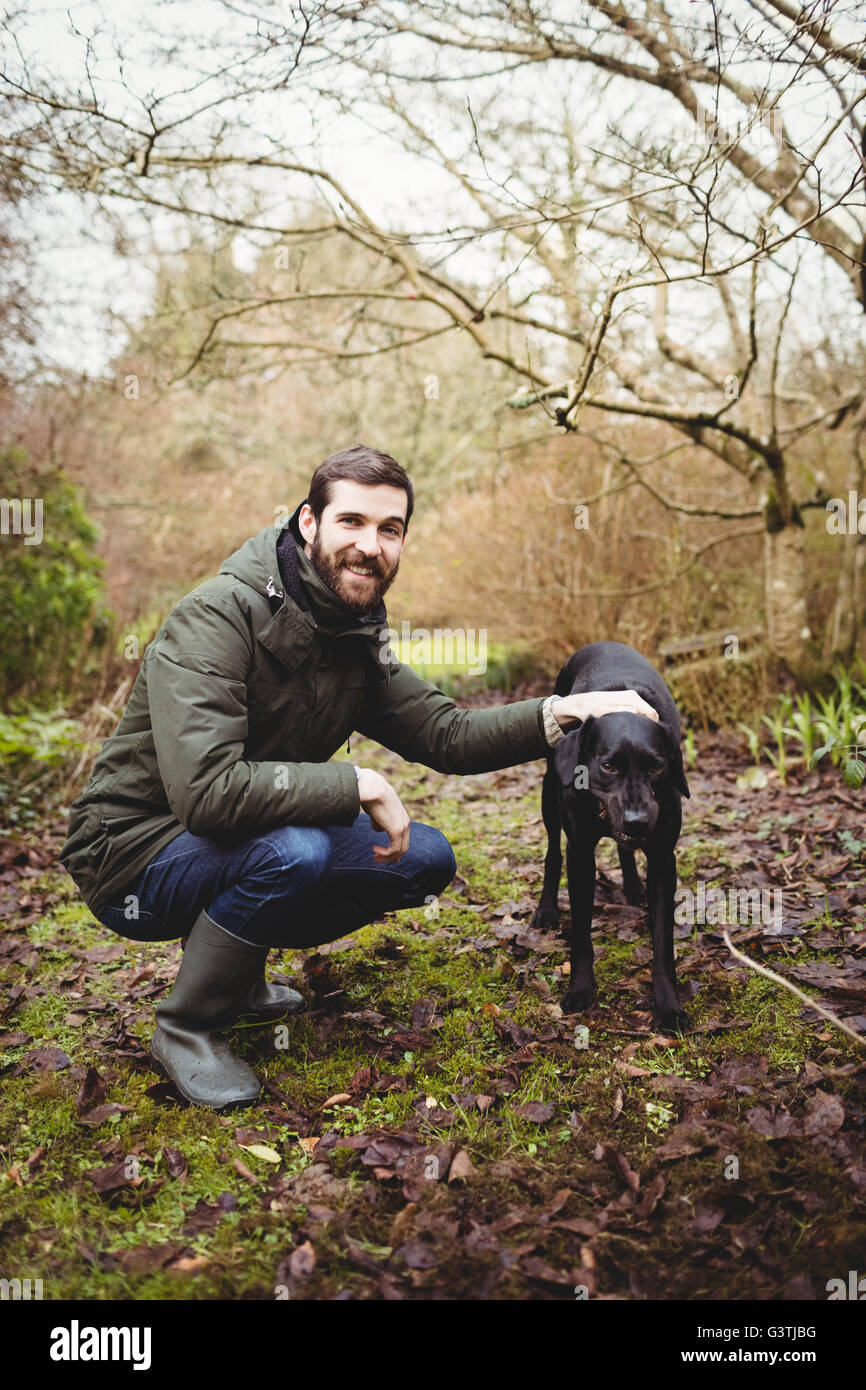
x=56 y=1226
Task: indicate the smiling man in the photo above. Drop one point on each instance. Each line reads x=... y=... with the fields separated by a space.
x=214 y=812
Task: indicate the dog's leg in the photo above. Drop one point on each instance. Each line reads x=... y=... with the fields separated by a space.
x=661 y=883
x=630 y=877
x=580 y=864
x=546 y=917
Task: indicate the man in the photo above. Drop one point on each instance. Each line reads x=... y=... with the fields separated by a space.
x=213 y=811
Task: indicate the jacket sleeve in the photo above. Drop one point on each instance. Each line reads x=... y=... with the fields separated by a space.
x=413 y=718
x=197 y=691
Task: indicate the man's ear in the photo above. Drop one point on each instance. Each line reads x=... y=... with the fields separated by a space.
x=307 y=522
x=571 y=752
x=675 y=764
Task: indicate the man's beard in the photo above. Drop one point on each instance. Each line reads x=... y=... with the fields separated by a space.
x=332 y=572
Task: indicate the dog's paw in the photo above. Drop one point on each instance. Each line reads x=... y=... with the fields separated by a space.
x=671 y=1021
x=578 y=998
x=545 y=919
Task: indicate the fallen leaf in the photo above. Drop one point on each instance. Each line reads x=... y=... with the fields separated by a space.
x=302 y=1261
x=461 y=1166
x=100 y=1113
x=263 y=1151
x=621 y=1168
x=538 y=1112
x=825 y=1114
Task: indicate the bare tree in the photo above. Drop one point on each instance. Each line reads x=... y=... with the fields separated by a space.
x=656 y=208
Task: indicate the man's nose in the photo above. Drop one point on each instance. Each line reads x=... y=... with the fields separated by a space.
x=368 y=542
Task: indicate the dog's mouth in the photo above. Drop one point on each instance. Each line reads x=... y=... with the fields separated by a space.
x=620 y=835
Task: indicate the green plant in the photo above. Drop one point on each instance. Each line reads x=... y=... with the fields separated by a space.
x=691 y=751
x=35 y=753
x=658 y=1117
x=779 y=729
x=52 y=612
x=835 y=722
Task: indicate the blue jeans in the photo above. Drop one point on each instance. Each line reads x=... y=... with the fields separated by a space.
x=296 y=886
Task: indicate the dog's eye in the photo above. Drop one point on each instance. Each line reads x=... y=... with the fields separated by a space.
x=607 y=766
x=657 y=769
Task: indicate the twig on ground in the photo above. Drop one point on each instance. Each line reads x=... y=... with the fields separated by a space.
x=786 y=984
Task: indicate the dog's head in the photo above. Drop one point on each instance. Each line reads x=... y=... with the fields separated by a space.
x=630 y=764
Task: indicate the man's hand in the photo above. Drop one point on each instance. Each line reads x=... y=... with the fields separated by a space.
x=387 y=813
x=599 y=702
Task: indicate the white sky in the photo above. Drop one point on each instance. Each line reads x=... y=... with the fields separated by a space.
x=80 y=275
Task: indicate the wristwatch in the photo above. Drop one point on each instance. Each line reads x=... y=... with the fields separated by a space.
x=552 y=731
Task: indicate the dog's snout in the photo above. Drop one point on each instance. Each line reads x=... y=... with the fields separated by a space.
x=635 y=823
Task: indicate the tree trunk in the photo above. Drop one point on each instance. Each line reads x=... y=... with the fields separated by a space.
x=788 y=631
x=847 y=616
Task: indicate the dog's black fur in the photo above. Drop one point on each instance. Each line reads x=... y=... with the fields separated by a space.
x=619 y=775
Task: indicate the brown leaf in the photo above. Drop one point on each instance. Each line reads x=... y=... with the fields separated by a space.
x=825 y=1114
x=188 y=1264
x=341 y=1098
x=652 y=1195
x=707 y=1218
x=401 y=1223
x=422 y=1013
x=539 y=1269
x=91 y=1091
x=111 y=1178
x=417 y=1254
x=48 y=1059
x=100 y=1113
x=687 y=1139
x=538 y=1112
x=174 y=1162
x=302 y=1261
x=773 y=1125
x=461 y=1166
x=621 y=1168
x=580 y=1225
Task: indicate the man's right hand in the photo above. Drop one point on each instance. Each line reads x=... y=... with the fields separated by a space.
x=387 y=813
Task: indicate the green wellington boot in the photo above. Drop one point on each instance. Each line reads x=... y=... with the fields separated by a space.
x=217 y=973
x=266 y=1001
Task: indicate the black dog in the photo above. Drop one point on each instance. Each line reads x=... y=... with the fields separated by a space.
x=619 y=775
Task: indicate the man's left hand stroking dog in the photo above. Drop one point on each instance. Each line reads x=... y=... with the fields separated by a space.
x=213 y=811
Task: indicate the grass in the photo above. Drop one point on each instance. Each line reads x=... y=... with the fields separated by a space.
x=622 y=1092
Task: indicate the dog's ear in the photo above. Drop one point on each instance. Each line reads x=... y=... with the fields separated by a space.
x=571 y=752
x=675 y=764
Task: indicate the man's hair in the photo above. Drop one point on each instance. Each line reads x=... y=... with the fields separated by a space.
x=360 y=465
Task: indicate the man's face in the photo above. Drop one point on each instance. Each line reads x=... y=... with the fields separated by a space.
x=356 y=546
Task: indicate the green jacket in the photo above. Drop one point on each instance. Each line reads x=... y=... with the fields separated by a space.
x=248 y=689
